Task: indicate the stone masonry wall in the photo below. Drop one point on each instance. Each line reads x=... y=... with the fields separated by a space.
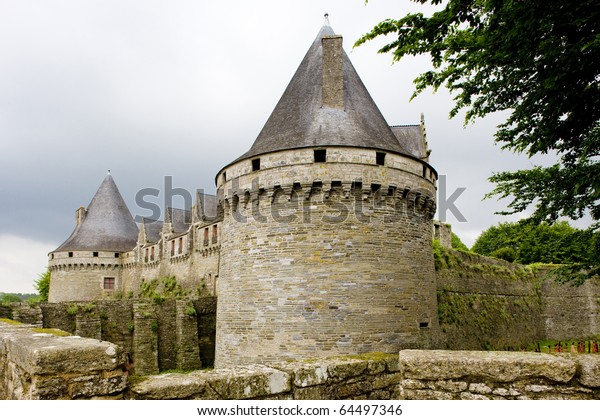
x=157 y=336
x=570 y=312
x=373 y=376
x=325 y=259
x=470 y=375
x=485 y=304
x=43 y=364
x=38 y=364
x=415 y=374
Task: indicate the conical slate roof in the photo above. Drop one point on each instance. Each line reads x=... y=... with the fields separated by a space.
x=299 y=120
x=107 y=226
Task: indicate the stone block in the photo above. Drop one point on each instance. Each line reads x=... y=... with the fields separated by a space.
x=247 y=382
x=589 y=369
x=173 y=386
x=496 y=366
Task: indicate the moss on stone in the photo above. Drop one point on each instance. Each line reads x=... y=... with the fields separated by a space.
x=10 y=321
x=53 y=331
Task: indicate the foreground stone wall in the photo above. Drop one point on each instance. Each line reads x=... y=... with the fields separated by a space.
x=372 y=376
x=414 y=375
x=42 y=364
x=38 y=364
x=469 y=375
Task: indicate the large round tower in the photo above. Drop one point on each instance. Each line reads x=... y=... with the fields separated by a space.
x=87 y=266
x=327 y=226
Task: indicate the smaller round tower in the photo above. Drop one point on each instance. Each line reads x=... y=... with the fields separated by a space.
x=87 y=266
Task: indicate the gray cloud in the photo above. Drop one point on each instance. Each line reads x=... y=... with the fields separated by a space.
x=181 y=88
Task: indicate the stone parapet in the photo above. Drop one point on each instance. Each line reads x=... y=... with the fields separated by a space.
x=41 y=364
x=372 y=376
x=475 y=375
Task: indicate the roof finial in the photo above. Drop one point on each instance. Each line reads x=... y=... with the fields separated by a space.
x=109 y=171
x=327 y=19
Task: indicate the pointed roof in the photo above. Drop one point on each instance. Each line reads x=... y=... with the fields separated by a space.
x=179 y=219
x=299 y=120
x=412 y=139
x=107 y=225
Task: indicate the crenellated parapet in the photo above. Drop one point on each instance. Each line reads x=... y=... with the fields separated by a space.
x=348 y=175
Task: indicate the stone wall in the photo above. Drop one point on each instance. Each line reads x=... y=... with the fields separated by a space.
x=373 y=376
x=470 y=375
x=415 y=374
x=157 y=336
x=39 y=364
x=490 y=304
x=45 y=364
x=570 y=312
x=485 y=304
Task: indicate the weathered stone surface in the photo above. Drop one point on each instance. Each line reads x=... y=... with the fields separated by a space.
x=306 y=374
x=39 y=365
x=243 y=383
x=173 y=386
x=499 y=366
x=589 y=369
x=425 y=394
x=249 y=382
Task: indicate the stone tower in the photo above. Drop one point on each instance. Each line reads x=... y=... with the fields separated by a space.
x=87 y=265
x=327 y=226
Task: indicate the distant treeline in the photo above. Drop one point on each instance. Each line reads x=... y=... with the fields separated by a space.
x=17 y=297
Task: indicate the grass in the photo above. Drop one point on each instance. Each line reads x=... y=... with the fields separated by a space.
x=53 y=331
x=10 y=321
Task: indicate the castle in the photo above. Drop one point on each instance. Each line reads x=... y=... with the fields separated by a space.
x=318 y=243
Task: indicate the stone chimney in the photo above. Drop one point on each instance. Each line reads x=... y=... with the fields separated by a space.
x=79 y=215
x=333 y=76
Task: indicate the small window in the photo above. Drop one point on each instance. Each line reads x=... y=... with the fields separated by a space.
x=109 y=283
x=215 y=233
x=380 y=158
x=180 y=249
x=424 y=171
x=146 y=255
x=205 y=236
x=51 y=256
x=152 y=254
x=117 y=254
x=172 y=248
x=423 y=325
x=321 y=155
x=95 y=253
x=224 y=176
x=256 y=164
x=70 y=254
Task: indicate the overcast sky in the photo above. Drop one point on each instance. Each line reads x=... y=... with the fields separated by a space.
x=180 y=88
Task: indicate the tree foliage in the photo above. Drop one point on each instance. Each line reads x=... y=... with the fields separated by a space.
x=42 y=285
x=540 y=61
x=527 y=243
x=457 y=243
